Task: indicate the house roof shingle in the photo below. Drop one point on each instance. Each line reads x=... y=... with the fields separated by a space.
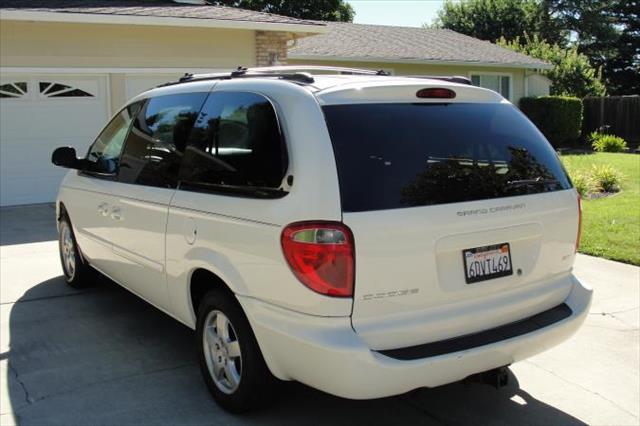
x=388 y=43
x=150 y=8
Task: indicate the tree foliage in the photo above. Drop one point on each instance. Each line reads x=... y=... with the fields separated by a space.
x=321 y=10
x=607 y=32
x=622 y=71
x=571 y=75
x=493 y=19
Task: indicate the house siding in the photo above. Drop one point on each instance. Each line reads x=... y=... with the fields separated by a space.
x=427 y=69
x=151 y=50
x=44 y=44
x=539 y=85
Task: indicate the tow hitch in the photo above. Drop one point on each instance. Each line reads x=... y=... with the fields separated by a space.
x=498 y=377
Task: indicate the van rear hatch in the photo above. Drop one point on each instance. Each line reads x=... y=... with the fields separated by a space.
x=462 y=215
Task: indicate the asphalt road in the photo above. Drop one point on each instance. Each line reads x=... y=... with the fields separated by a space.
x=103 y=356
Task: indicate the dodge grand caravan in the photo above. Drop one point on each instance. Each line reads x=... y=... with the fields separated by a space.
x=360 y=233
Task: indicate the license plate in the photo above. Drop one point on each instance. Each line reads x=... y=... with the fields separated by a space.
x=488 y=262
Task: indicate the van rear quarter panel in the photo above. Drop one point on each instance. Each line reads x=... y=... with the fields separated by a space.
x=238 y=238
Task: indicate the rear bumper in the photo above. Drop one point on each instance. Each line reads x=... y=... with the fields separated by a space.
x=327 y=354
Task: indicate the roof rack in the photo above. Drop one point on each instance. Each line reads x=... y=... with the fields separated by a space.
x=318 y=69
x=298 y=74
x=302 y=74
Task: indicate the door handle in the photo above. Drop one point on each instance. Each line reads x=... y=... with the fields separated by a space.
x=116 y=213
x=103 y=209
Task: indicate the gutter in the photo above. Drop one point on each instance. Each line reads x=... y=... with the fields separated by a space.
x=95 y=18
x=536 y=66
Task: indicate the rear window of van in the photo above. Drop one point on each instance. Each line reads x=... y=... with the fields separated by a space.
x=407 y=155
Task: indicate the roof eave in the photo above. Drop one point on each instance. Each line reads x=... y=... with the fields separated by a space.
x=539 y=65
x=95 y=18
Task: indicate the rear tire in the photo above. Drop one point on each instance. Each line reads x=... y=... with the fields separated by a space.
x=231 y=362
x=77 y=273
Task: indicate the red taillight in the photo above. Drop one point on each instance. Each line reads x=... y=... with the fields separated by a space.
x=579 y=222
x=321 y=255
x=436 y=93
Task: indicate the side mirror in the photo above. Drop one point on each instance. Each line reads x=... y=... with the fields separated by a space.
x=65 y=157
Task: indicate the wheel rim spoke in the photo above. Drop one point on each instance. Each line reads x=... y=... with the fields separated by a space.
x=233 y=348
x=210 y=337
x=218 y=370
x=222 y=326
x=232 y=375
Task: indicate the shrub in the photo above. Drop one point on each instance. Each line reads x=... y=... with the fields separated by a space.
x=559 y=118
x=582 y=183
x=607 y=143
x=606 y=178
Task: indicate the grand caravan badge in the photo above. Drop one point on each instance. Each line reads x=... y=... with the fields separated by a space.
x=496 y=209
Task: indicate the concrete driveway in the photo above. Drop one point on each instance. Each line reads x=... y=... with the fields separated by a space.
x=102 y=356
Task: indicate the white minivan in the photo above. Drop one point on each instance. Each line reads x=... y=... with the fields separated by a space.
x=360 y=233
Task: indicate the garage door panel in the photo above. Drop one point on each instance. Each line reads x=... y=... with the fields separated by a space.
x=10 y=196
x=57 y=110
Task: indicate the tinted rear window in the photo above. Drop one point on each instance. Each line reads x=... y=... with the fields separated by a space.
x=406 y=155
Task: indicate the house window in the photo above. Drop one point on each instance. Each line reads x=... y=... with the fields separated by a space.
x=13 y=90
x=59 y=90
x=500 y=83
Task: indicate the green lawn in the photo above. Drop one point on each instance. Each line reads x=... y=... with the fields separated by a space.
x=611 y=225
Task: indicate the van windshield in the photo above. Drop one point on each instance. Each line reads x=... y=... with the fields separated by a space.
x=407 y=155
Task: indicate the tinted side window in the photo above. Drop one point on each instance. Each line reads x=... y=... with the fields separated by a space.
x=236 y=146
x=155 y=145
x=104 y=154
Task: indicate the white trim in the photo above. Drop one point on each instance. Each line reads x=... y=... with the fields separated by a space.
x=81 y=70
x=502 y=74
x=95 y=18
x=417 y=61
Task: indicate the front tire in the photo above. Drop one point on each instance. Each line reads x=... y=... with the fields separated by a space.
x=230 y=360
x=77 y=272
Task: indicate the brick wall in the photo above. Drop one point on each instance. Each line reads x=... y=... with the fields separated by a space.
x=271 y=48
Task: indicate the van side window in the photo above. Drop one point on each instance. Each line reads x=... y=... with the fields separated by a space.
x=236 y=147
x=104 y=153
x=157 y=140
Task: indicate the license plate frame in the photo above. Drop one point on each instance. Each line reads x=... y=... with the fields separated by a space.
x=488 y=269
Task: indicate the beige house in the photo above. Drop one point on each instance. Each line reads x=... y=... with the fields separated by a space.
x=67 y=65
x=420 y=51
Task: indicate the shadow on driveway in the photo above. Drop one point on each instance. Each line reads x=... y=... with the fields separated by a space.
x=27 y=224
x=103 y=356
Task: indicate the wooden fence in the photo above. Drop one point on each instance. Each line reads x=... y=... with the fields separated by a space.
x=620 y=113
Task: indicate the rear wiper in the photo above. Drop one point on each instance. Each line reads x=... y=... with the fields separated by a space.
x=537 y=181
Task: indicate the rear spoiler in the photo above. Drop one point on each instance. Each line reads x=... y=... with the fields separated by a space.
x=452 y=79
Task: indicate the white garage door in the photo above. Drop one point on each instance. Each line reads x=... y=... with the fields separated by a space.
x=37 y=114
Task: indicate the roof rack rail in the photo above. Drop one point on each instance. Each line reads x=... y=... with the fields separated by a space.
x=320 y=69
x=300 y=74
x=452 y=79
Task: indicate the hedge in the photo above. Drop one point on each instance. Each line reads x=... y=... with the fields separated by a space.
x=559 y=118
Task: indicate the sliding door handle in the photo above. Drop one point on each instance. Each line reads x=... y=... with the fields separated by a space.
x=116 y=213
x=103 y=209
